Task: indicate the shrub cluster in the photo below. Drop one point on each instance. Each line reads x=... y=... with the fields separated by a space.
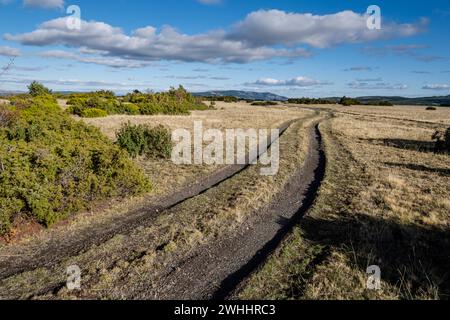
x=174 y=102
x=140 y=140
x=7 y=116
x=347 y=102
x=264 y=103
x=93 y=113
x=52 y=166
x=228 y=99
x=311 y=101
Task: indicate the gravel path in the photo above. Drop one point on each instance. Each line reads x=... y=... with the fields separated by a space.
x=217 y=269
x=55 y=250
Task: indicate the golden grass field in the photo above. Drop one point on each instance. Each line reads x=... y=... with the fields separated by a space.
x=384 y=201
x=165 y=175
x=118 y=266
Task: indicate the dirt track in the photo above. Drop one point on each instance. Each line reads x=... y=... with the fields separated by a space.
x=55 y=250
x=214 y=270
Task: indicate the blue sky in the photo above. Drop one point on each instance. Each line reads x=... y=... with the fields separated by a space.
x=293 y=48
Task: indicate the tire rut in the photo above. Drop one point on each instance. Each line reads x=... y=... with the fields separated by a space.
x=56 y=250
x=217 y=269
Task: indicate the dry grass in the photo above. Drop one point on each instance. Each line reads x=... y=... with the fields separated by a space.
x=385 y=202
x=226 y=116
x=441 y=116
x=120 y=266
x=166 y=176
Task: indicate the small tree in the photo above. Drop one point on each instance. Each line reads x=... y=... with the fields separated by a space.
x=38 y=89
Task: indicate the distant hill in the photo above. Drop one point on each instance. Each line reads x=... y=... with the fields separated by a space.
x=421 y=101
x=262 y=96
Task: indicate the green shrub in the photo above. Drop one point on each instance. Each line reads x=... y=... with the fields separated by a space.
x=131 y=108
x=7 y=115
x=264 y=103
x=144 y=140
x=93 y=113
x=52 y=166
x=442 y=141
x=347 y=102
x=175 y=102
x=36 y=89
x=311 y=101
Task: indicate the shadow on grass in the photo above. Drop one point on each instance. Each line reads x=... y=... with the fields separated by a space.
x=411 y=257
x=417 y=167
x=414 y=145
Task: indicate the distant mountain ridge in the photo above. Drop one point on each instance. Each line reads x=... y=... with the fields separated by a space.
x=267 y=96
x=263 y=96
x=397 y=100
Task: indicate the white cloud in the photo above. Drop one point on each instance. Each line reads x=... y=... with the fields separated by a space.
x=9 y=52
x=110 y=62
x=45 y=4
x=294 y=82
x=272 y=27
x=436 y=87
x=368 y=85
x=147 y=44
x=262 y=35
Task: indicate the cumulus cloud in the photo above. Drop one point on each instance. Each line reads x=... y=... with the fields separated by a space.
x=436 y=87
x=273 y=27
x=294 y=82
x=9 y=52
x=149 y=44
x=262 y=35
x=110 y=62
x=377 y=86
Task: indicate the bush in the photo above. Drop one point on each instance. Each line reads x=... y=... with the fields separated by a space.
x=93 y=113
x=175 y=102
x=7 y=115
x=36 y=89
x=144 y=140
x=310 y=101
x=264 y=103
x=52 y=166
x=347 y=102
x=442 y=141
x=131 y=109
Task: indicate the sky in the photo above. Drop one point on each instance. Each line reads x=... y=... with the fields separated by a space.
x=294 y=48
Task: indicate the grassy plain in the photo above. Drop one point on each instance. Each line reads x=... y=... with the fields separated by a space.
x=384 y=202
